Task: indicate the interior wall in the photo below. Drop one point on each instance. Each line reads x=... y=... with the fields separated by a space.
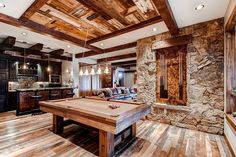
x=66 y=75
x=205 y=66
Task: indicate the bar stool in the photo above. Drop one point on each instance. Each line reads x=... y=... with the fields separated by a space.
x=35 y=106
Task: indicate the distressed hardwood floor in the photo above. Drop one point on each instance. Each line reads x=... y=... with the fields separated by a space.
x=28 y=136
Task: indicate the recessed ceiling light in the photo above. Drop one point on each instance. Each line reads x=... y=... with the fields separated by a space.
x=24 y=33
x=154 y=29
x=2 y=5
x=199 y=7
x=102 y=44
x=68 y=46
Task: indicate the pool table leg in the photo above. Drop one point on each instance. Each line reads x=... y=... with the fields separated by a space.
x=133 y=130
x=58 y=126
x=106 y=144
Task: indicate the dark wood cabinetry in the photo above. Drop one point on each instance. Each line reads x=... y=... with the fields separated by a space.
x=3 y=84
x=13 y=70
x=25 y=103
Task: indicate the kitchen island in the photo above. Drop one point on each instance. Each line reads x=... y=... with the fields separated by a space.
x=26 y=103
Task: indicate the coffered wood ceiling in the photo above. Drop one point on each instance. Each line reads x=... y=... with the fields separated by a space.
x=96 y=18
x=103 y=21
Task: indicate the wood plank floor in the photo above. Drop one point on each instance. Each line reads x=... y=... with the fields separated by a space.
x=28 y=136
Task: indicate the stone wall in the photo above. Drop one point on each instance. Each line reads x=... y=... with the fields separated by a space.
x=205 y=86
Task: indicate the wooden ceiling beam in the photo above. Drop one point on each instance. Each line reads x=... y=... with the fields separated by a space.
x=9 y=41
x=38 y=28
x=108 y=59
x=163 y=7
x=31 y=52
x=176 y=41
x=33 y=8
x=124 y=63
x=127 y=29
x=36 y=47
x=57 y=52
x=112 y=49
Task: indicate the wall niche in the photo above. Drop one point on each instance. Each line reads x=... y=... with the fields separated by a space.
x=171 y=75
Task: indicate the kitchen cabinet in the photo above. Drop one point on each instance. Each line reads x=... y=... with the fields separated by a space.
x=3 y=84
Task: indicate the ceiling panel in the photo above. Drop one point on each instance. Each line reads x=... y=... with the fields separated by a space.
x=133 y=36
x=186 y=15
x=15 y=8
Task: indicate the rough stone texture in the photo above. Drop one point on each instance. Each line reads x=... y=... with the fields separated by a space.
x=205 y=74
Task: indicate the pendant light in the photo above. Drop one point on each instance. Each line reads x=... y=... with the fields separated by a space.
x=24 y=65
x=48 y=68
x=99 y=71
x=81 y=73
x=86 y=73
x=67 y=69
x=92 y=71
x=106 y=71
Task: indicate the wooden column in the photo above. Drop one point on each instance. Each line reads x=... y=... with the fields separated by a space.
x=58 y=124
x=106 y=144
x=133 y=130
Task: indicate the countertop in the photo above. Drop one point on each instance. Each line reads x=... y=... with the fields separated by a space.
x=37 y=89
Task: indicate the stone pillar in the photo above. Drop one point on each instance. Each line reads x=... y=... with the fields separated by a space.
x=75 y=67
x=146 y=72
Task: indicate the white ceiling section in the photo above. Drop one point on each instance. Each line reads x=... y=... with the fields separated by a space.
x=133 y=36
x=15 y=8
x=33 y=38
x=115 y=53
x=186 y=15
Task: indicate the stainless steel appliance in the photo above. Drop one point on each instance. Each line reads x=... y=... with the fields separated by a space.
x=55 y=79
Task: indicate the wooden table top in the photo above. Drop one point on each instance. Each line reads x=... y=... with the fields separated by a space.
x=97 y=107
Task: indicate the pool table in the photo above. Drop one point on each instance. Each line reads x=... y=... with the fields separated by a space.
x=97 y=113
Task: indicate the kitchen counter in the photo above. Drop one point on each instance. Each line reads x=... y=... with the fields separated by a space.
x=39 y=89
x=25 y=101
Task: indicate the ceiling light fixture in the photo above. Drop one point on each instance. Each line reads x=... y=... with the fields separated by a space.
x=68 y=46
x=24 y=33
x=199 y=7
x=2 y=5
x=102 y=44
x=154 y=29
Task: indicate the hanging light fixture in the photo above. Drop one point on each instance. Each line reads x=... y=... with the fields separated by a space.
x=86 y=72
x=99 y=71
x=106 y=71
x=92 y=71
x=48 y=68
x=67 y=69
x=81 y=73
x=24 y=65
